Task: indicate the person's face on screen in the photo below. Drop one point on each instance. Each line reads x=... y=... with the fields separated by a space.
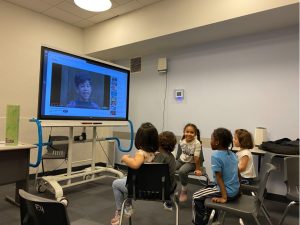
x=84 y=91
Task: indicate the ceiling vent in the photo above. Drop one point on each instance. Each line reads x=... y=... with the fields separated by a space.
x=136 y=65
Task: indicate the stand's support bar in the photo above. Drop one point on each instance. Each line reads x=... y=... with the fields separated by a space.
x=94 y=147
x=70 y=153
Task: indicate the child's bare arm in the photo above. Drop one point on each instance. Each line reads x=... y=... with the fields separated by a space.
x=221 y=184
x=133 y=162
x=197 y=171
x=243 y=163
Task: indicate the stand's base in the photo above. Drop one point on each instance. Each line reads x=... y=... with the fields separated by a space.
x=55 y=184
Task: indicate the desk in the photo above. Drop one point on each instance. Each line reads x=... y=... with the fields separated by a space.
x=14 y=167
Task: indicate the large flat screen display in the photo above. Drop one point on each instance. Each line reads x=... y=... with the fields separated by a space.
x=74 y=87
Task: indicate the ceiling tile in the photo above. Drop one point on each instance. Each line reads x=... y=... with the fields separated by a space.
x=35 y=5
x=84 y=23
x=101 y=17
x=120 y=2
x=53 y=2
x=122 y=9
x=62 y=15
x=147 y=2
x=67 y=11
x=72 y=8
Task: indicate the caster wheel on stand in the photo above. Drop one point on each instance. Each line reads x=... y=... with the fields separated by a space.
x=64 y=201
x=41 y=187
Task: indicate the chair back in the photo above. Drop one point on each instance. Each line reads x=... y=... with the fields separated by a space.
x=150 y=182
x=291 y=172
x=268 y=167
x=57 y=150
x=268 y=157
x=41 y=211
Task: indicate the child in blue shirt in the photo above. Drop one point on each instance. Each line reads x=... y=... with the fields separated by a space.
x=224 y=165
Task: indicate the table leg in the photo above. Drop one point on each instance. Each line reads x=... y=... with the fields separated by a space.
x=23 y=184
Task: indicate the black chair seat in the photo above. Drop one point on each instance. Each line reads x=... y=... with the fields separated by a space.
x=242 y=205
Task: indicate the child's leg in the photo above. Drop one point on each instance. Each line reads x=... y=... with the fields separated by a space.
x=120 y=190
x=183 y=172
x=183 y=177
x=178 y=164
x=200 y=213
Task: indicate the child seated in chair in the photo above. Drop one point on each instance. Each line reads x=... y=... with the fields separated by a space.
x=167 y=142
x=190 y=157
x=243 y=140
x=146 y=143
x=224 y=165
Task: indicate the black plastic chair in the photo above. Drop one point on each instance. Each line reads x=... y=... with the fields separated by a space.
x=245 y=206
x=254 y=187
x=151 y=182
x=268 y=157
x=55 y=150
x=203 y=179
x=291 y=179
x=41 y=211
x=36 y=210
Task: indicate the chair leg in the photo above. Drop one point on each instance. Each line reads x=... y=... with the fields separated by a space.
x=264 y=208
x=267 y=216
x=211 y=217
x=286 y=210
x=122 y=212
x=255 y=219
x=241 y=221
x=130 y=222
x=177 y=210
x=222 y=217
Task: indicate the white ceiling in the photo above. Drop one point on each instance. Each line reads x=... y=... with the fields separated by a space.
x=67 y=11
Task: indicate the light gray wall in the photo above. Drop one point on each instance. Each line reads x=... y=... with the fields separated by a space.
x=244 y=82
x=238 y=83
x=22 y=34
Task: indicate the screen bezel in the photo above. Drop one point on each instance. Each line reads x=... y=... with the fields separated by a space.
x=109 y=65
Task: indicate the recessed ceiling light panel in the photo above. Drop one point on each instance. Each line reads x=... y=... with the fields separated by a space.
x=94 y=5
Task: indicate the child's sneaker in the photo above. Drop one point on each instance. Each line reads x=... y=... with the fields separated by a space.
x=128 y=211
x=168 y=206
x=183 y=196
x=116 y=219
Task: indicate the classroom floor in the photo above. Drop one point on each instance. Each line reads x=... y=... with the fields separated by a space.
x=94 y=202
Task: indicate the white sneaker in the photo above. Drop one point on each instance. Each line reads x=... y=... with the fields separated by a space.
x=128 y=211
x=168 y=207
